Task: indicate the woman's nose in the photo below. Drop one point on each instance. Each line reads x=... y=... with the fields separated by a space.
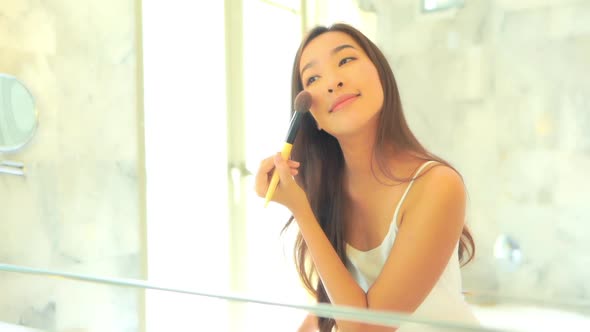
x=339 y=85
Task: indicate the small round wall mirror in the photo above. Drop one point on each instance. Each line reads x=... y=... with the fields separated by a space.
x=18 y=114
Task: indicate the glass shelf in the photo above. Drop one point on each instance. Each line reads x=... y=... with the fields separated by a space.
x=98 y=301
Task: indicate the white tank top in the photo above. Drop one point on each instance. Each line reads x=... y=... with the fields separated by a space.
x=444 y=302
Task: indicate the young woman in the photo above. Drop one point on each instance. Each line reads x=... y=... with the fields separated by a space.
x=381 y=219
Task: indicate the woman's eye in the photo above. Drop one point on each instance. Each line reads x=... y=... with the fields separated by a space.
x=311 y=80
x=346 y=60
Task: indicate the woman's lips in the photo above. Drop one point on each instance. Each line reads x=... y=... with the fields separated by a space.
x=343 y=101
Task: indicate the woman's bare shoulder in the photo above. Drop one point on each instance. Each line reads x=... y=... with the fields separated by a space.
x=439 y=173
x=436 y=180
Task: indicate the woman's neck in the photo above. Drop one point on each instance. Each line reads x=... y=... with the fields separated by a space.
x=367 y=169
x=358 y=157
x=362 y=169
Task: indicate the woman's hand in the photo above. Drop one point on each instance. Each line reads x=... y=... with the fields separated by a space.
x=288 y=192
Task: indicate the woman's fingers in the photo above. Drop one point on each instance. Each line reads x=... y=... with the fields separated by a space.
x=265 y=171
x=294 y=166
x=282 y=166
x=262 y=176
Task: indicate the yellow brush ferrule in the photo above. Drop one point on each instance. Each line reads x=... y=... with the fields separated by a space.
x=274 y=181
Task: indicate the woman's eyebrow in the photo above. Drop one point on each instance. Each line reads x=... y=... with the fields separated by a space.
x=334 y=51
x=340 y=48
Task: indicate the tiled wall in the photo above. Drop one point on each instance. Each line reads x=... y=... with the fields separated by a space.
x=79 y=207
x=501 y=90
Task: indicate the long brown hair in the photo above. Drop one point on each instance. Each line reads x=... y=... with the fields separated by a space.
x=322 y=164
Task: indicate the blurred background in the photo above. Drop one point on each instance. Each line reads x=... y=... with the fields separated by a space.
x=141 y=123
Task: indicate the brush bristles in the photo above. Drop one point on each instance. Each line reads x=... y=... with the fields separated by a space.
x=302 y=102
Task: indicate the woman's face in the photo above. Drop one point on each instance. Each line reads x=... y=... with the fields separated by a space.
x=344 y=84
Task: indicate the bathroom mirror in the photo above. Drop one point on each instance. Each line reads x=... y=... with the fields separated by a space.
x=18 y=114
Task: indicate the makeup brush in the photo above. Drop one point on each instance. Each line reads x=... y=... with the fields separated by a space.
x=302 y=104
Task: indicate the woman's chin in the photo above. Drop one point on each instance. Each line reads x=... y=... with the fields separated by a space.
x=351 y=127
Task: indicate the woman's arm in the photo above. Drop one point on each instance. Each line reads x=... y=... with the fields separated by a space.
x=424 y=243
x=422 y=249
x=309 y=324
x=423 y=246
x=342 y=289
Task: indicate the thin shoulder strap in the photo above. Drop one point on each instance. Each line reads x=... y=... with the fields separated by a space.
x=401 y=201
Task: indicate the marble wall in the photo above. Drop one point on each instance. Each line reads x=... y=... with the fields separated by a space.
x=500 y=89
x=79 y=208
